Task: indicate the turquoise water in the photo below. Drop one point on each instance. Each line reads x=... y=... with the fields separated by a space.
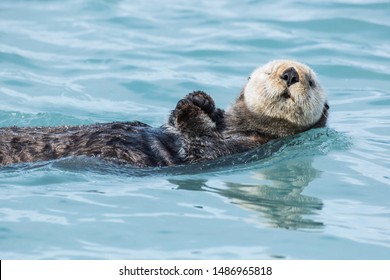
x=324 y=194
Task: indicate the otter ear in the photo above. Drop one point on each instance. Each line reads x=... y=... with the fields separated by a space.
x=326 y=106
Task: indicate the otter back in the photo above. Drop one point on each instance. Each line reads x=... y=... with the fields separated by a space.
x=134 y=143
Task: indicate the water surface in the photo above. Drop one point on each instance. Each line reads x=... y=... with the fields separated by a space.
x=320 y=195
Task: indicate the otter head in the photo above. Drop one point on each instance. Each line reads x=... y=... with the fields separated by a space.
x=286 y=90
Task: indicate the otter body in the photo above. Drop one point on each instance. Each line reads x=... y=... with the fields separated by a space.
x=281 y=98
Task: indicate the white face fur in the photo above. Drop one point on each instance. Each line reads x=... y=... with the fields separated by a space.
x=268 y=93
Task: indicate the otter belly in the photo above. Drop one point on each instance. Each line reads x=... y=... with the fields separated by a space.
x=134 y=143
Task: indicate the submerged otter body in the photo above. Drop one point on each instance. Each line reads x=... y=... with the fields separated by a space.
x=281 y=98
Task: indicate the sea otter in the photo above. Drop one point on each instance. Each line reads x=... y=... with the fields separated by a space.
x=280 y=98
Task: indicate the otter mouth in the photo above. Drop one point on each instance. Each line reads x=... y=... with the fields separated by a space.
x=286 y=94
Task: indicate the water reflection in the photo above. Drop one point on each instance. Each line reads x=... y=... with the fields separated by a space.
x=278 y=197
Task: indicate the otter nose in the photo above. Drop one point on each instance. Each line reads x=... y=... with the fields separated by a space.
x=290 y=75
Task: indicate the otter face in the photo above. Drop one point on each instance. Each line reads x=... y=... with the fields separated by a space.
x=286 y=90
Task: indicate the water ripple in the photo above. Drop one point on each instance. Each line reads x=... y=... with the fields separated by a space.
x=79 y=62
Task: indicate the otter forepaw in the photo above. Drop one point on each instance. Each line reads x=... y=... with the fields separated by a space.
x=196 y=114
x=202 y=100
x=192 y=120
x=186 y=111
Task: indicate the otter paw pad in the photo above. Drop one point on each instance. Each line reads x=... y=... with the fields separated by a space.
x=203 y=101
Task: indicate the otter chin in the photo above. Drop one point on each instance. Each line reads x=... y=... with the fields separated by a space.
x=281 y=98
